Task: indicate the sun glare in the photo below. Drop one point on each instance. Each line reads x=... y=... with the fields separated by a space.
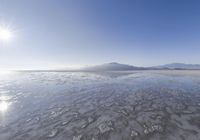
x=5 y=72
x=3 y=106
x=5 y=34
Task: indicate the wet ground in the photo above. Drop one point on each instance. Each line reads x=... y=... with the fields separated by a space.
x=138 y=105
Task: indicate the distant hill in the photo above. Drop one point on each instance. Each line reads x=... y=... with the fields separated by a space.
x=179 y=66
x=112 y=67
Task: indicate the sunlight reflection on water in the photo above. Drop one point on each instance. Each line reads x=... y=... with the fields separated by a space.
x=3 y=106
x=5 y=72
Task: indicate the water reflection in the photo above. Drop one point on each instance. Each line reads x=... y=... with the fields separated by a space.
x=5 y=72
x=4 y=98
x=3 y=106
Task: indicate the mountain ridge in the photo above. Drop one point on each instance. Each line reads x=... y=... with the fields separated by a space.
x=115 y=66
x=180 y=66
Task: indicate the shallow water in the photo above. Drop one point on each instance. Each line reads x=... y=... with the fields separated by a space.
x=141 y=105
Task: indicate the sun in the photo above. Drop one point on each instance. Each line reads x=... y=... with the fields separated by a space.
x=5 y=34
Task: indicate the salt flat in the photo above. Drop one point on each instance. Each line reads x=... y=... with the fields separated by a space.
x=140 y=105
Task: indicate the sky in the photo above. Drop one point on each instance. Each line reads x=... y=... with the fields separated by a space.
x=72 y=33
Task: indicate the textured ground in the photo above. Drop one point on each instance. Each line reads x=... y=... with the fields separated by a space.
x=140 y=105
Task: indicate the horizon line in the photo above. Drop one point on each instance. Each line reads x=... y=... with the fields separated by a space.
x=75 y=68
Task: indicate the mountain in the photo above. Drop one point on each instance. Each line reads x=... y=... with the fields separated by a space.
x=112 y=67
x=179 y=66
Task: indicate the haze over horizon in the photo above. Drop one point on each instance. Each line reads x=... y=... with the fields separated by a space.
x=58 y=34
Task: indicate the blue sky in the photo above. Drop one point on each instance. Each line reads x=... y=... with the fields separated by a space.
x=64 y=33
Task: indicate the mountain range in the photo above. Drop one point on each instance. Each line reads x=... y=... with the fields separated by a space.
x=114 y=66
x=180 y=66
